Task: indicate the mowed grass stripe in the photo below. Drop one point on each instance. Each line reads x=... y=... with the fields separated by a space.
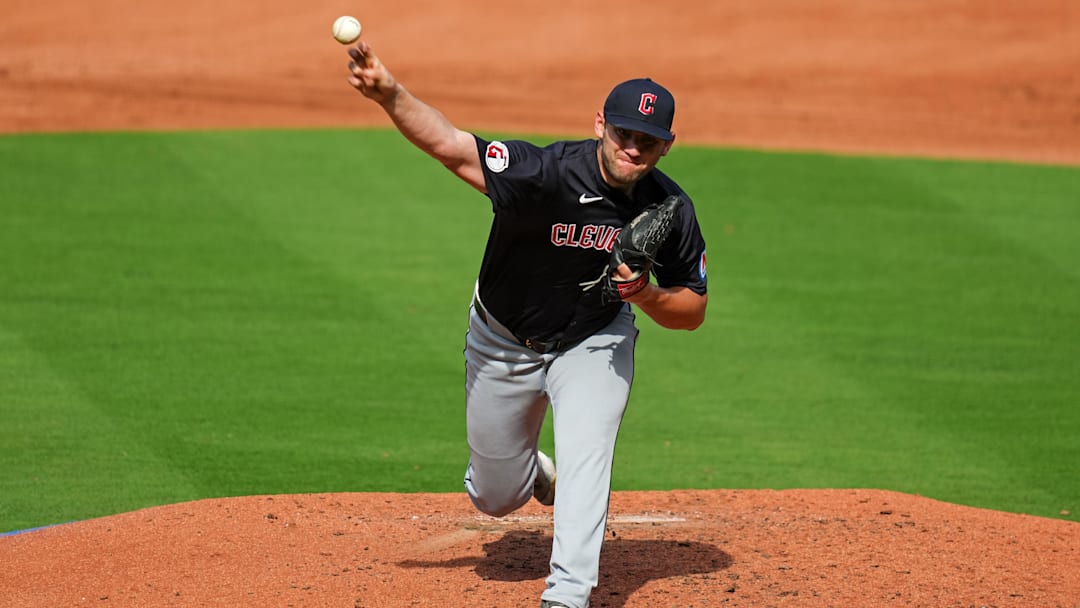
x=862 y=311
x=284 y=311
x=199 y=334
x=60 y=452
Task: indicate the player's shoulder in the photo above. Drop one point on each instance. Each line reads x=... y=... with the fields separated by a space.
x=517 y=146
x=570 y=150
x=562 y=147
x=558 y=151
x=661 y=186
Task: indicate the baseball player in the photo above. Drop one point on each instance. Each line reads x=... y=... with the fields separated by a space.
x=578 y=229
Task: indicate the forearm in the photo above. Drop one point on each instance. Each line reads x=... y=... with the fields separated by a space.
x=673 y=308
x=427 y=128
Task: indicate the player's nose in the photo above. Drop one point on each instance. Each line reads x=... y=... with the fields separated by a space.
x=638 y=143
x=631 y=147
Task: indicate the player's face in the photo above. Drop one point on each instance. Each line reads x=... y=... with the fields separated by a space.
x=625 y=155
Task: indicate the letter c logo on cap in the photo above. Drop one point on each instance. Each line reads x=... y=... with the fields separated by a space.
x=648 y=103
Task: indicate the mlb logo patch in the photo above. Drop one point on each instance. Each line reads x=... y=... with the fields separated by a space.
x=497 y=157
x=701 y=266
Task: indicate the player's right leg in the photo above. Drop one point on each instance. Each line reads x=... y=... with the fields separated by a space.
x=505 y=404
x=589 y=386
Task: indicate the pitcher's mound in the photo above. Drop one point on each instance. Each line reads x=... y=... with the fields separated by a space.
x=678 y=549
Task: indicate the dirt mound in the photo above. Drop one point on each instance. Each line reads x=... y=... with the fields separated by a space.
x=683 y=548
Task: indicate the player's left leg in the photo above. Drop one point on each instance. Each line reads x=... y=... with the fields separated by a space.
x=505 y=406
x=589 y=386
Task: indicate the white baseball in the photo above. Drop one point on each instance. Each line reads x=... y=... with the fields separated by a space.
x=346 y=29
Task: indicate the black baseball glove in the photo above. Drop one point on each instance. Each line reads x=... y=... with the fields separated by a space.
x=636 y=246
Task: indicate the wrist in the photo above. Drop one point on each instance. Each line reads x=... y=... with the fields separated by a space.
x=633 y=289
x=390 y=98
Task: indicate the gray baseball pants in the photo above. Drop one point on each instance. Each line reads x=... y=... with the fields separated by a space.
x=508 y=388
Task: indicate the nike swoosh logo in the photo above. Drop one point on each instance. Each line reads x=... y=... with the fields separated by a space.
x=589 y=199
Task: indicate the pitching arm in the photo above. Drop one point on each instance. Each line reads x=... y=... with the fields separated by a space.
x=423 y=125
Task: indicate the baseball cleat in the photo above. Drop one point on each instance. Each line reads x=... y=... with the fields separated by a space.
x=544 y=487
x=551 y=604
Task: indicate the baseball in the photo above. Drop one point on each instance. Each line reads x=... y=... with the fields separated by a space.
x=346 y=29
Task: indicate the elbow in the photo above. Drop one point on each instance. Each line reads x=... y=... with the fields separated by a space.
x=688 y=322
x=694 y=322
x=698 y=316
x=681 y=310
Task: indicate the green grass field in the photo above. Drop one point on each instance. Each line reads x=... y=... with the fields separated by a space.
x=210 y=314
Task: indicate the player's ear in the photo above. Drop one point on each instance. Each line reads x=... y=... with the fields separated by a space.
x=667 y=145
x=599 y=124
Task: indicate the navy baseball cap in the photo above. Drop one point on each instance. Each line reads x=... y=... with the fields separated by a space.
x=641 y=105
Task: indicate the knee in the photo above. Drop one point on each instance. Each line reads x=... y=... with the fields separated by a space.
x=496 y=494
x=496 y=500
x=494 y=509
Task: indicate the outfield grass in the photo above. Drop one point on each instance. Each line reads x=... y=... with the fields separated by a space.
x=209 y=314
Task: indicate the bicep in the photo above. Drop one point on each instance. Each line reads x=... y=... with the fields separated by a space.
x=463 y=160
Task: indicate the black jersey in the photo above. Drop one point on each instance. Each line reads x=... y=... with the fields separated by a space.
x=555 y=223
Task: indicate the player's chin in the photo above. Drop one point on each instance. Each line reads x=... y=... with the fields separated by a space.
x=628 y=173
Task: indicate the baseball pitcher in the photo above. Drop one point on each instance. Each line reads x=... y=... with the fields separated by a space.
x=584 y=234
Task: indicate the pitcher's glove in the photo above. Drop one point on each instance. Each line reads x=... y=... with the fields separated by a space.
x=636 y=247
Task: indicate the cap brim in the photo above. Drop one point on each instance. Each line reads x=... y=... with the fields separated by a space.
x=636 y=124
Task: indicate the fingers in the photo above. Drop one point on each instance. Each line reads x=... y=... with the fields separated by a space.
x=363 y=55
x=360 y=73
x=360 y=62
x=355 y=78
x=624 y=273
x=367 y=74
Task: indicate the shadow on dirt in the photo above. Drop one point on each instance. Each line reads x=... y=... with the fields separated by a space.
x=625 y=564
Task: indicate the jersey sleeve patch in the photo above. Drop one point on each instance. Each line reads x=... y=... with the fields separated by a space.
x=701 y=266
x=497 y=157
